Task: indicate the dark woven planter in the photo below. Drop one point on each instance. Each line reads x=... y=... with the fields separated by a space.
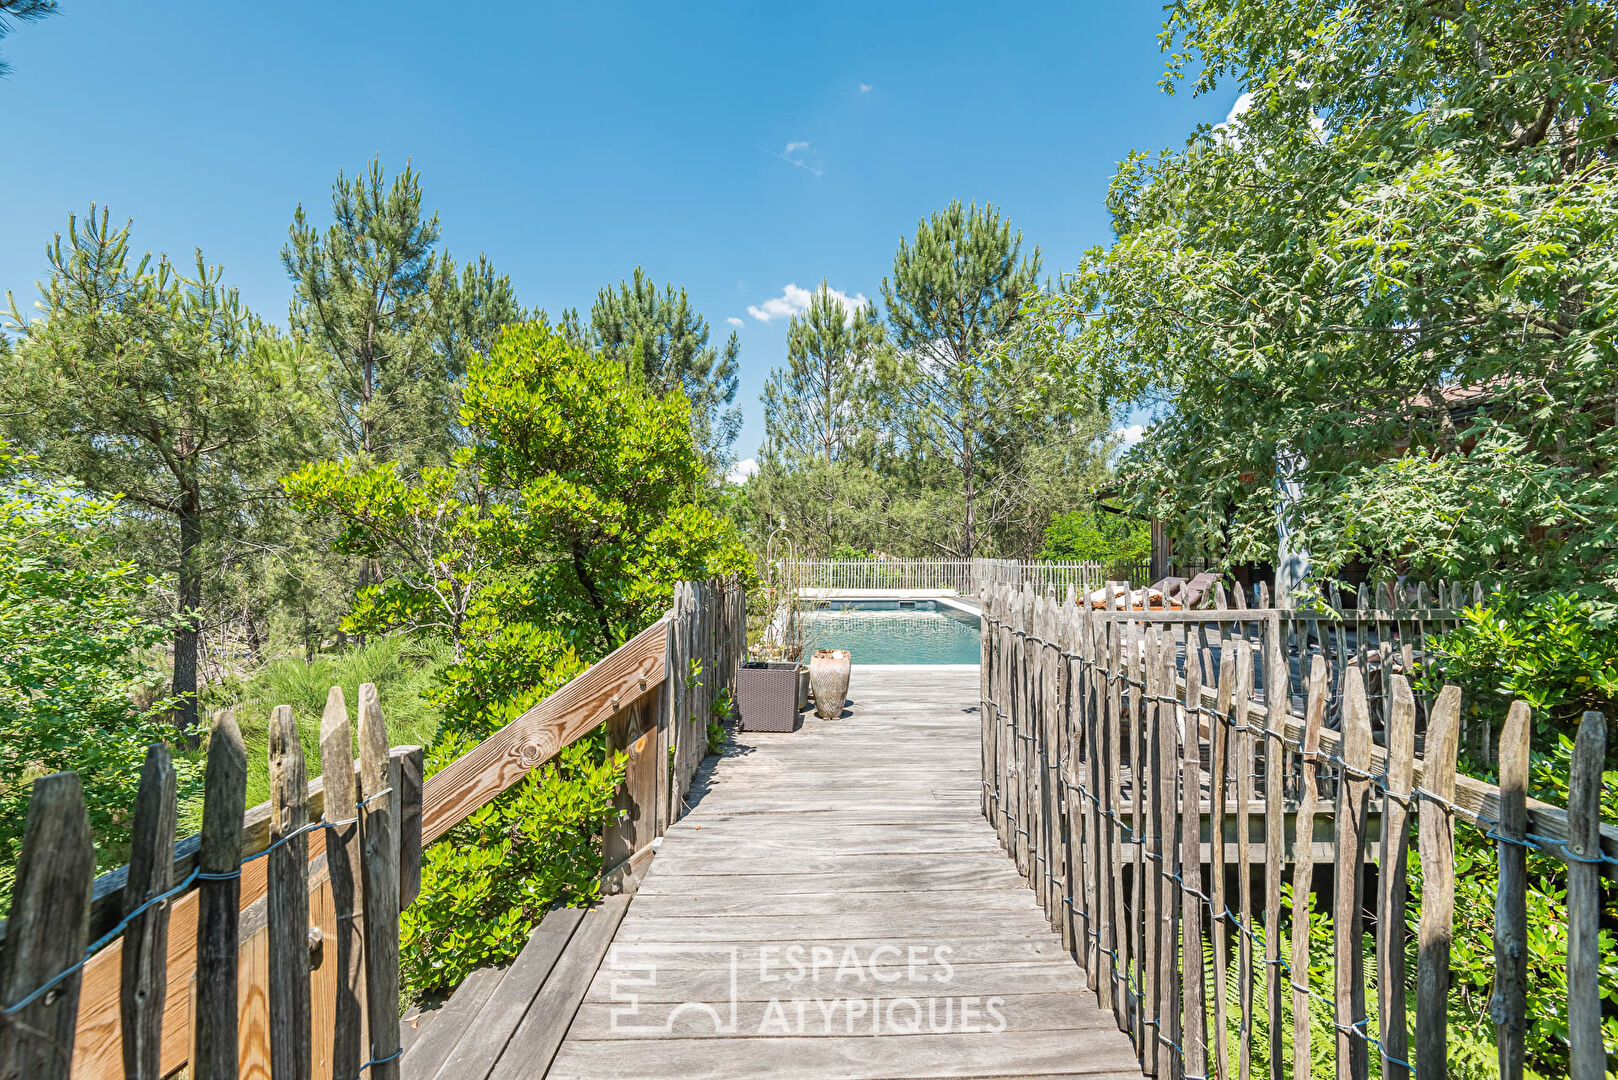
x=767 y=695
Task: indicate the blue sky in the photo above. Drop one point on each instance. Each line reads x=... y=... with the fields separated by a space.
x=735 y=149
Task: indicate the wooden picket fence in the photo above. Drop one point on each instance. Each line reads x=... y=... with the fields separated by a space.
x=268 y=945
x=1083 y=575
x=968 y=577
x=204 y=949
x=1138 y=765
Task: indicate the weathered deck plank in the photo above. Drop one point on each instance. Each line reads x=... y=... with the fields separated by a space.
x=829 y=887
x=487 y=1034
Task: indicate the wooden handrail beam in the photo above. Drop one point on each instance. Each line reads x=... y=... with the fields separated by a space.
x=632 y=670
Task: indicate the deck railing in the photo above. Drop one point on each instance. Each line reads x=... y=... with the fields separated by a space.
x=212 y=951
x=1128 y=756
x=968 y=577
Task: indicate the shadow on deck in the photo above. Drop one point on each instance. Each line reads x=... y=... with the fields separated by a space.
x=833 y=906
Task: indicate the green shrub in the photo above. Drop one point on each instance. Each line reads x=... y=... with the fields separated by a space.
x=491 y=879
x=552 y=537
x=1086 y=535
x=402 y=667
x=1556 y=654
x=72 y=639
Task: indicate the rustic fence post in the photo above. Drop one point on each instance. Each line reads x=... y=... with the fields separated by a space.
x=144 y=983
x=1068 y=782
x=214 y=1036
x=1303 y=863
x=288 y=901
x=47 y=933
x=412 y=761
x=1165 y=830
x=1508 y=1008
x=1193 y=972
x=343 y=867
x=1588 y=1058
x=1437 y=843
x=1141 y=682
x=1245 y=761
x=1100 y=859
x=1276 y=695
x=1353 y=794
x=1118 y=939
x=1151 y=838
x=1390 y=930
x=379 y=839
x=1218 y=785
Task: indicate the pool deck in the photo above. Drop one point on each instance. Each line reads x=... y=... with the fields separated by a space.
x=836 y=907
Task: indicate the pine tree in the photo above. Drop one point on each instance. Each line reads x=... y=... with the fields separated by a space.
x=661 y=340
x=369 y=292
x=160 y=387
x=475 y=304
x=955 y=295
x=21 y=11
x=816 y=415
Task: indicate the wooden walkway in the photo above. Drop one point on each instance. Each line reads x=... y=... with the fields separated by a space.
x=835 y=906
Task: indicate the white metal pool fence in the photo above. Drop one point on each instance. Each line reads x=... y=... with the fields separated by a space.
x=964 y=576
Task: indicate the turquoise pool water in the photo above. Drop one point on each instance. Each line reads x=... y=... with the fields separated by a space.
x=883 y=632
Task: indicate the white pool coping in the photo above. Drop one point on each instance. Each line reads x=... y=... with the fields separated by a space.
x=942 y=669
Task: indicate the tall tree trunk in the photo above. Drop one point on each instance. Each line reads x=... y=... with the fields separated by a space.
x=187 y=633
x=970 y=477
x=367 y=444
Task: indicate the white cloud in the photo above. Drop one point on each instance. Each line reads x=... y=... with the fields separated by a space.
x=865 y=88
x=1226 y=132
x=740 y=471
x=1130 y=434
x=794 y=299
x=798 y=154
x=1243 y=103
x=733 y=320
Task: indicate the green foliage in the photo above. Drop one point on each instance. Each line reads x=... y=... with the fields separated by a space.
x=606 y=478
x=954 y=388
x=1556 y=654
x=72 y=642
x=438 y=537
x=1390 y=280
x=943 y=436
x=506 y=669
x=156 y=385
x=662 y=344
x=558 y=532
x=404 y=669
x=487 y=883
x=820 y=439
x=1088 y=535
x=21 y=11
x=365 y=292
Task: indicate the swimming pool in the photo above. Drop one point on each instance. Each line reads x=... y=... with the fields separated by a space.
x=894 y=631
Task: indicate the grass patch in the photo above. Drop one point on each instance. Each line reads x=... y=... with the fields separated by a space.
x=401 y=667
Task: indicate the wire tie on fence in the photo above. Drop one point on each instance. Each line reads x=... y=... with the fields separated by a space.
x=382 y=1061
